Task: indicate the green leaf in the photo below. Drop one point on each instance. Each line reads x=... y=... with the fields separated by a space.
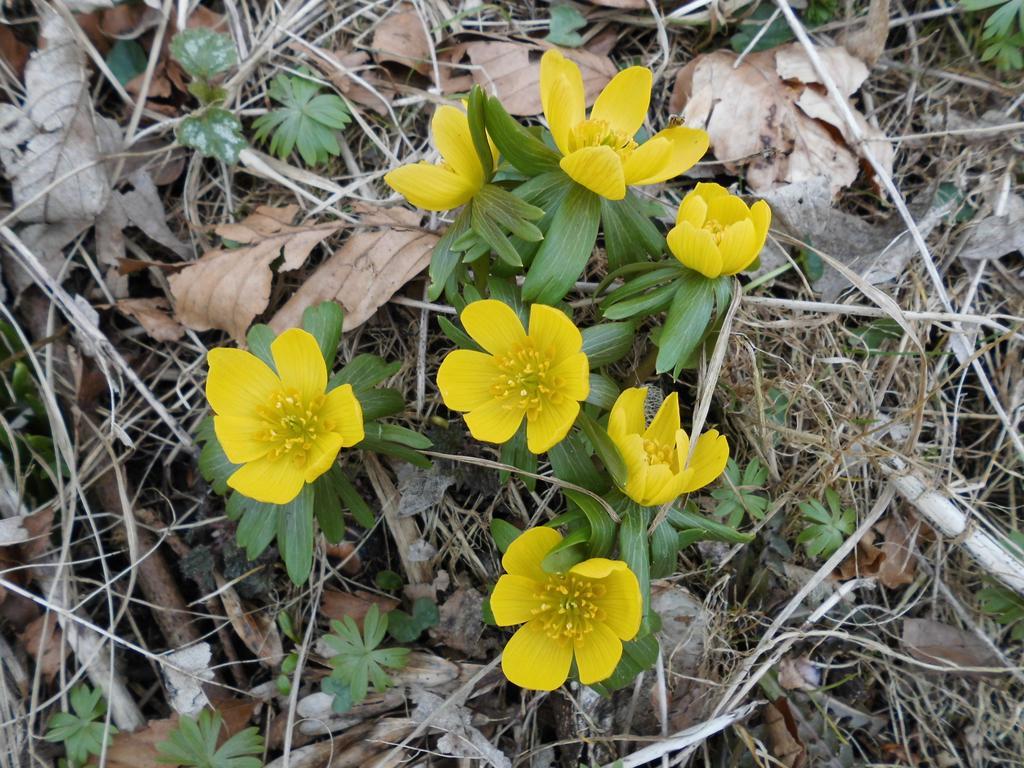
x=515 y=453
x=257 y=523
x=357 y=661
x=739 y=496
x=516 y=144
x=445 y=258
x=571 y=462
x=194 y=743
x=258 y=339
x=214 y=465
x=776 y=34
x=477 y=117
x=602 y=527
x=307 y=120
x=607 y=343
x=565 y=20
x=568 y=552
x=406 y=628
x=82 y=735
x=327 y=505
x=825 y=529
x=566 y=249
x=605 y=448
x=693 y=527
x=456 y=335
x=353 y=502
x=489 y=232
x=633 y=547
x=687 y=319
x=603 y=391
x=324 y=321
x=295 y=535
x=637 y=657
x=642 y=305
x=214 y=132
x=396 y=434
x=203 y=53
x=503 y=533
x=364 y=371
x=664 y=546
x=126 y=60
x=629 y=235
x=388 y=580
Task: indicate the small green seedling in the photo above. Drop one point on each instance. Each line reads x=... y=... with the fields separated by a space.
x=358 y=661
x=825 y=529
x=307 y=120
x=82 y=730
x=739 y=496
x=194 y=744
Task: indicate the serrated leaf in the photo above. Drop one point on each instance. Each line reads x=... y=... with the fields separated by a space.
x=565 y=20
x=203 y=53
x=214 y=132
x=307 y=120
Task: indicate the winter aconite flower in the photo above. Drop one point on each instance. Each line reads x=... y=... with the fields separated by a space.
x=540 y=374
x=601 y=152
x=655 y=455
x=716 y=233
x=284 y=428
x=587 y=613
x=451 y=182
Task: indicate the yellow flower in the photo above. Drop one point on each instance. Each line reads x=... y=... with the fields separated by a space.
x=655 y=455
x=281 y=427
x=453 y=181
x=586 y=612
x=541 y=374
x=716 y=233
x=600 y=152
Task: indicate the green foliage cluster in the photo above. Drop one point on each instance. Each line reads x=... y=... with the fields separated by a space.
x=1003 y=32
x=83 y=730
x=358 y=661
x=193 y=744
x=825 y=529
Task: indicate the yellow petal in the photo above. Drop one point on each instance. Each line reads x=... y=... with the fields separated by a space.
x=535 y=661
x=554 y=333
x=274 y=481
x=671 y=488
x=528 y=550
x=493 y=325
x=450 y=128
x=631 y=447
x=659 y=486
x=709 y=459
x=549 y=426
x=574 y=376
x=243 y=438
x=624 y=101
x=300 y=363
x=465 y=379
x=695 y=248
x=682 y=441
x=562 y=96
x=345 y=415
x=761 y=215
x=727 y=209
x=598 y=169
x=431 y=187
x=597 y=567
x=597 y=654
x=322 y=453
x=647 y=160
x=738 y=247
x=514 y=600
x=239 y=382
x=665 y=423
x=688 y=146
x=709 y=190
x=693 y=209
x=494 y=421
x=627 y=416
x=621 y=604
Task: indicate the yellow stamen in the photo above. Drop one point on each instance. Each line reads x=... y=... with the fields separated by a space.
x=526 y=382
x=568 y=608
x=597 y=133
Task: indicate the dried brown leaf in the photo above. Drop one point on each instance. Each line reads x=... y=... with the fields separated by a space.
x=47 y=649
x=629 y=5
x=340 y=72
x=799 y=674
x=783 y=735
x=867 y=41
x=154 y=315
x=512 y=71
x=227 y=288
x=402 y=38
x=368 y=269
x=772 y=117
x=336 y=605
x=256 y=629
x=460 y=626
x=13 y=52
x=937 y=643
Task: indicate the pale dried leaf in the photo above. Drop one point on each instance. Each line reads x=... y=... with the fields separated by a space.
x=47 y=649
x=937 y=643
x=12 y=531
x=402 y=38
x=783 y=735
x=143 y=208
x=460 y=625
x=184 y=680
x=996 y=236
x=798 y=674
x=227 y=288
x=256 y=629
x=512 y=72
x=154 y=315
x=461 y=739
x=421 y=489
x=342 y=70
x=55 y=138
x=363 y=274
x=770 y=116
x=867 y=41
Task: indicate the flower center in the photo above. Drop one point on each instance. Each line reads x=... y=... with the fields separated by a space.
x=658 y=453
x=568 y=608
x=597 y=133
x=526 y=381
x=293 y=425
x=716 y=229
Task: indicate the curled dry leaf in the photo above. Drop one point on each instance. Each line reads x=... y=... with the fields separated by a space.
x=336 y=605
x=154 y=315
x=772 y=116
x=184 y=674
x=936 y=643
x=456 y=722
x=349 y=70
x=402 y=38
x=364 y=273
x=46 y=647
x=255 y=628
x=459 y=624
x=512 y=72
x=799 y=674
x=228 y=287
x=867 y=41
x=783 y=734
